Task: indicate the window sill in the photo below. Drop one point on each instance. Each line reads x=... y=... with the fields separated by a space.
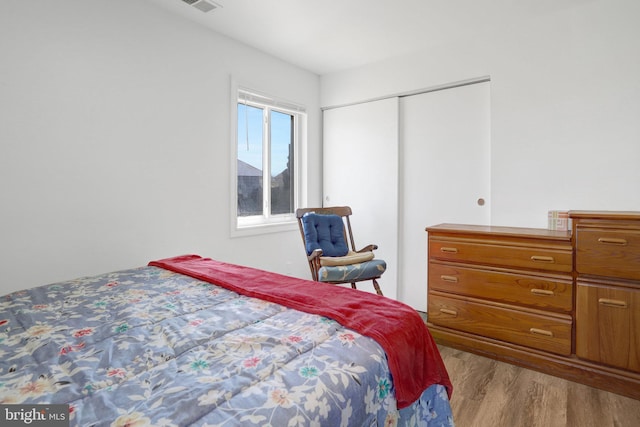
x=263 y=228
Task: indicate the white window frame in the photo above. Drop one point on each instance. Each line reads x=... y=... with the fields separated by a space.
x=266 y=223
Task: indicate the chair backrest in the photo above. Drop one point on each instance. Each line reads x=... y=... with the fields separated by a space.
x=326 y=228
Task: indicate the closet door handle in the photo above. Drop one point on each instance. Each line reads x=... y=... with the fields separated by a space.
x=452 y=279
x=540 y=258
x=449 y=250
x=537 y=331
x=612 y=241
x=447 y=311
x=544 y=292
x=612 y=302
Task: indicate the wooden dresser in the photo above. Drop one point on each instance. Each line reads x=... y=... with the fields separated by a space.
x=513 y=294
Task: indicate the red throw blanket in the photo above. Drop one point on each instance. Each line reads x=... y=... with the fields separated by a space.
x=414 y=360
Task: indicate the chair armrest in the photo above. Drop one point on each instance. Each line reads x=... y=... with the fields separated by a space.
x=317 y=253
x=314 y=263
x=368 y=248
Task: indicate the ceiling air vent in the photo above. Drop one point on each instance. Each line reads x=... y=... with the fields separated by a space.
x=203 y=5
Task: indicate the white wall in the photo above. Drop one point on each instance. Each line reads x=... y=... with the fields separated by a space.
x=114 y=140
x=565 y=102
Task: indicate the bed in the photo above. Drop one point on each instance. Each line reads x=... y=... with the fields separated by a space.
x=193 y=341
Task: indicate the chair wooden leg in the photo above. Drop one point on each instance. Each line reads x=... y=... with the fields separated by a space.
x=353 y=285
x=377 y=287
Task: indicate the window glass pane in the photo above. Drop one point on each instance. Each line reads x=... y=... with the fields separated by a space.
x=250 y=138
x=282 y=200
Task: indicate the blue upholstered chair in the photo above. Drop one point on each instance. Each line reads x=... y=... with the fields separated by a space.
x=331 y=251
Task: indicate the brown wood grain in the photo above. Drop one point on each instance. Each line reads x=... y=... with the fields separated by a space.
x=609 y=319
x=562 y=303
x=534 y=330
x=552 y=292
x=608 y=252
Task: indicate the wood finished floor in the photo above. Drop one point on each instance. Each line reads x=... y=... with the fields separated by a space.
x=489 y=393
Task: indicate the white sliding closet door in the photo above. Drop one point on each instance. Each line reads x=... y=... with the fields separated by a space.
x=360 y=169
x=444 y=171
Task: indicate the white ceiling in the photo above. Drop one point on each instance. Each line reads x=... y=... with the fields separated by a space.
x=325 y=36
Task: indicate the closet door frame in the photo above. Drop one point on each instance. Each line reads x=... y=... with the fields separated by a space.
x=365 y=166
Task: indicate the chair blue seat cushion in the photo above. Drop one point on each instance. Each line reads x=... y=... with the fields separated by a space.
x=324 y=232
x=352 y=273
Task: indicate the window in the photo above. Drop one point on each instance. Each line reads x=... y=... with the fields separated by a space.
x=266 y=157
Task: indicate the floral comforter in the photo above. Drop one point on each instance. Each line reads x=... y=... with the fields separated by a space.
x=151 y=347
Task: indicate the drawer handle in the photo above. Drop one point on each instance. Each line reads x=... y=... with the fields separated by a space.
x=452 y=279
x=612 y=241
x=544 y=292
x=613 y=302
x=449 y=250
x=447 y=311
x=537 y=331
x=540 y=258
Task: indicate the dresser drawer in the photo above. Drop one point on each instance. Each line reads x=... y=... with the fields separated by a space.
x=545 y=333
x=608 y=252
x=553 y=292
x=608 y=324
x=536 y=257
